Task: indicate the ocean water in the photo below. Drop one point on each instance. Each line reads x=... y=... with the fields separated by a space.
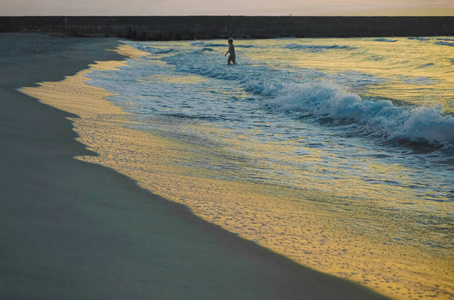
x=359 y=130
x=337 y=153
x=376 y=113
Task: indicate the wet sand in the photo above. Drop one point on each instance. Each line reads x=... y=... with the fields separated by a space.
x=74 y=230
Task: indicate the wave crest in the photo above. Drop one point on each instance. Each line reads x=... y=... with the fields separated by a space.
x=323 y=99
x=326 y=100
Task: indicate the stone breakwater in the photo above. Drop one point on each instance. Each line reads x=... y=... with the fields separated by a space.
x=212 y=27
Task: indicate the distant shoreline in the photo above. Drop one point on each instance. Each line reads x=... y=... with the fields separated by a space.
x=214 y=27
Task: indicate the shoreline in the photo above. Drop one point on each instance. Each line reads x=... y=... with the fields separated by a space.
x=79 y=230
x=314 y=235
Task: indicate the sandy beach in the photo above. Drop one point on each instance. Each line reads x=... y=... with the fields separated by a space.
x=74 y=230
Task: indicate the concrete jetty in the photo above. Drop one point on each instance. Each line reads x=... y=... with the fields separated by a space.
x=210 y=27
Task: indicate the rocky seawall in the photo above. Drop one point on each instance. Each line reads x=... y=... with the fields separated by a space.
x=210 y=27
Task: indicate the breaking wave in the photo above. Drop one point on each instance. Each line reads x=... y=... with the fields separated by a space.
x=391 y=122
x=322 y=99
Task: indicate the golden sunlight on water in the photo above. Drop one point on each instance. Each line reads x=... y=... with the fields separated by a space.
x=382 y=59
x=311 y=226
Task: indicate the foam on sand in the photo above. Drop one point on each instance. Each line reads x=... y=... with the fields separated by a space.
x=72 y=230
x=309 y=229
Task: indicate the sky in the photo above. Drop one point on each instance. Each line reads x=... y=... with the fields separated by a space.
x=224 y=7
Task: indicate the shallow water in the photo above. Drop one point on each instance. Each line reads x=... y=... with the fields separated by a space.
x=349 y=114
x=338 y=153
x=363 y=128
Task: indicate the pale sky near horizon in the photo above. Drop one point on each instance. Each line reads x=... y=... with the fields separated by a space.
x=223 y=7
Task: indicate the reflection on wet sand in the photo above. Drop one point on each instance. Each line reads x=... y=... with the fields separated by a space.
x=308 y=223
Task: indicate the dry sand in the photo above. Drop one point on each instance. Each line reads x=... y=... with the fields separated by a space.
x=74 y=230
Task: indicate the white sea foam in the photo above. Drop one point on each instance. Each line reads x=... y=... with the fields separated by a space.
x=303 y=120
x=299 y=109
x=324 y=99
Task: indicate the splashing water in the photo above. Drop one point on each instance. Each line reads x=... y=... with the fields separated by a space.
x=362 y=129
